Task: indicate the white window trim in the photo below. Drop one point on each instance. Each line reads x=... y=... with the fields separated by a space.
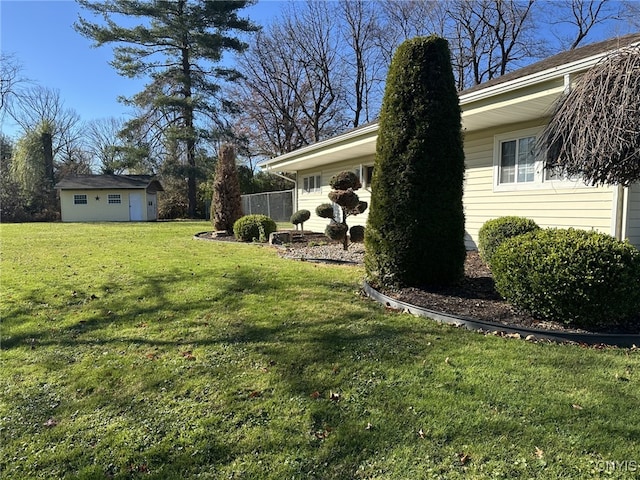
x=114 y=197
x=361 y=172
x=539 y=181
x=317 y=188
x=77 y=196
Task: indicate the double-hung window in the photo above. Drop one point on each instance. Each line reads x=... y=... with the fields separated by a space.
x=79 y=199
x=517 y=160
x=114 y=199
x=311 y=184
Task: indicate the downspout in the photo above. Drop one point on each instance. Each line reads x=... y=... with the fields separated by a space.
x=619 y=211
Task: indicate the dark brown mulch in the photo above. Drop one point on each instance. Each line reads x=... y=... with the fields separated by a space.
x=475 y=297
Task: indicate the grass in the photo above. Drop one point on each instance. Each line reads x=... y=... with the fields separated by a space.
x=134 y=351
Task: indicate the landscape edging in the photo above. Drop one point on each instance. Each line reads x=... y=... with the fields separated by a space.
x=613 y=339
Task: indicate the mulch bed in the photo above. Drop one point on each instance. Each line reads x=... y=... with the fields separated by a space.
x=474 y=297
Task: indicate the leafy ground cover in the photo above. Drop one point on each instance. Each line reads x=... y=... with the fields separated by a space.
x=133 y=351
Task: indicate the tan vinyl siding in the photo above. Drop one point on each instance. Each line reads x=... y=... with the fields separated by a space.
x=633 y=215
x=98 y=210
x=551 y=205
x=309 y=201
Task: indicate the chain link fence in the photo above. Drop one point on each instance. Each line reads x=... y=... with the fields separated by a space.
x=276 y=205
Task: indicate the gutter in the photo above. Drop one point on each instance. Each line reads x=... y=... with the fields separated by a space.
x=554 y=72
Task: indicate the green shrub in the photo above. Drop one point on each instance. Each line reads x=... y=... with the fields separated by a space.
x=299 y=217
x=577 y=277
x=356 y=233
x=336 y=231
x=494 y=232
x=415 y=229
x=324 y=210
x=254 y=228
x=344 y=181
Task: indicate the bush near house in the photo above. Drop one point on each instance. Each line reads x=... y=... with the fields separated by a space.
x=494 y=232
x=583 y=278
x=415 y=229
x=254 y=228
x=299 y=217
x=343 y=195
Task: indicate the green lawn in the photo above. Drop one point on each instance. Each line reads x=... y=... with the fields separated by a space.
x=134 y=351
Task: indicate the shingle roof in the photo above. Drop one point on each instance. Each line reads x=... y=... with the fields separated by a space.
x=95 y=182
x=560 y=59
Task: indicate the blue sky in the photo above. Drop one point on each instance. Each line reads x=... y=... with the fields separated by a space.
x=41 y=35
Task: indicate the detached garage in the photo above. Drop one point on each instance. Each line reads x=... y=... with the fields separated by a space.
x=109 y=198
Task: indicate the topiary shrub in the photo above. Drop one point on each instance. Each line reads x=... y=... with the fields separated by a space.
x=226 y=205
x=324 y=210
x=336 y=231
x=415 y=229
x=356 y=233
x=494 y=232
x=347 y=202
x=586 y=279
x=299 y=217
x=254 y=228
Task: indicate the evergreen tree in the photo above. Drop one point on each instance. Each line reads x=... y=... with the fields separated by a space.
x=227 y=204
x=415 y=230
x=177 y=44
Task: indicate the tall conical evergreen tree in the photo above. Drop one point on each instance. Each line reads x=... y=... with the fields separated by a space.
x=415 y=229
x=227 y=202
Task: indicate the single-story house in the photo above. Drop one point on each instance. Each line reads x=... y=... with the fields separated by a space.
x=501 y=120
x=109 y=198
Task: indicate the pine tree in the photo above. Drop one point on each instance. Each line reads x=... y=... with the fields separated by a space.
x=178 y=45
x=227 y=202
x=415 y=229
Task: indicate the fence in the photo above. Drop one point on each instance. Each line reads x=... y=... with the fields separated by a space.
x=276 y=205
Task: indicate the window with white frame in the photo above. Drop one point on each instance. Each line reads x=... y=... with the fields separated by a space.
x=517 y=160
x=311 y=184
x=517 y=164
x=365 y=174
x=114 y=199
x=80 y=199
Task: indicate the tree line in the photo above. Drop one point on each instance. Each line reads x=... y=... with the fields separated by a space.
x=314 y=71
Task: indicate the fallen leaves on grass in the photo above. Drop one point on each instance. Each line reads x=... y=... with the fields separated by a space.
x=539 y=453
x=188 y=355
x=52 y=422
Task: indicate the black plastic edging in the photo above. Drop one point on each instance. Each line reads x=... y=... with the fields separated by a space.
x=618 y=340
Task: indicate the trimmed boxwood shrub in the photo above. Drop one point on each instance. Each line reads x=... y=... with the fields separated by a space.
x=586 y=279
x=254 y=228
x=494 y=232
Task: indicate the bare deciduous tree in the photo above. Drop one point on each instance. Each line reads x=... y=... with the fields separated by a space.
x=593 y=132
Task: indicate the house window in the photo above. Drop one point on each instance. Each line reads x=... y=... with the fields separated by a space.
x=79 y=199
x=368 y=175
x=311 y=183
x=517 y=160
x=518 y=165
x=114 y=198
